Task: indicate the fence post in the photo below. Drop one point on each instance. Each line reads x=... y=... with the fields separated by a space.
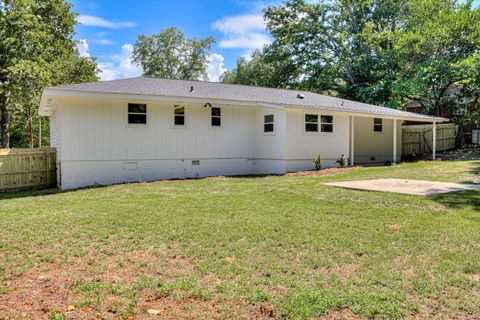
x=47 y=158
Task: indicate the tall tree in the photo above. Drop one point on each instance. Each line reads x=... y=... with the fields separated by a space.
x=271 y=67
x=169 y=54
x=343 y=46
x=36 y=50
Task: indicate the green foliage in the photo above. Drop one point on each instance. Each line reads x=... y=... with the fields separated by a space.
x=383 y=52
x=169 y=55
x=318 y=163
x=271 y=67
x=36 y=51
x=342 y=161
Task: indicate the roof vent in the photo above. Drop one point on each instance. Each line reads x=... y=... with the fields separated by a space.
x=300 y=96
x=191 y=89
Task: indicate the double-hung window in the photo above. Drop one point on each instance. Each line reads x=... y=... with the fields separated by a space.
x=326 y=123
x=268 y=123
x=311 y=123
x=137 y=113
x=377 y=125
x=216 y=117
x=179 y=115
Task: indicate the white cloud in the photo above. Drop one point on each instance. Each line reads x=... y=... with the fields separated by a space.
x=216 y=66
x=82 y=46
x=243 y=31
x=93 y=21
x=104 y=42
x=120 y=66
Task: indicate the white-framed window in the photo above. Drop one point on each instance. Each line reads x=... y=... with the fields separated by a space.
x=179 y=115
x=326 y=123
x=216 y=114
x=377 y=125
x=268 y=123
x=137 y=113
x=311 y=122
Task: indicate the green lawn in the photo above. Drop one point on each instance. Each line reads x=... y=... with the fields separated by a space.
x=277 y=246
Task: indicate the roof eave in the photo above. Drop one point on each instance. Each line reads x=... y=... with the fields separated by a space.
x=47 y=105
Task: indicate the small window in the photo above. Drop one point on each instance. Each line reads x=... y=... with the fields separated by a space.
x=137 y=113
x=326 y=123
x=216 y=117
x=179 y=115
x=311 y=123
x=268 y=123
x=377 y=125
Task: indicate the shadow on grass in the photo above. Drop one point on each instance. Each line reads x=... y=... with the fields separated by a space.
x=459 y=199
x=34 y=192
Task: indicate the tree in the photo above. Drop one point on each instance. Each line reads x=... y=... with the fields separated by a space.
x=343 y=46
x=36 y=50
x=169 y=55
x=270 y=67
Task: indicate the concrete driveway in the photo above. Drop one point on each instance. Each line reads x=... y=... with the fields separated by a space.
x=417 y=187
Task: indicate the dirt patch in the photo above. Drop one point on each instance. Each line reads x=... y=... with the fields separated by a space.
x=170 y=308
x=395 y=226
x=322 y=172
x=344 y=314
x=343 y=271
x=112 y=286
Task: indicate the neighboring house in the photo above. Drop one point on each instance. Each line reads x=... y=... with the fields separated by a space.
x=453 y=93
x=145 y=129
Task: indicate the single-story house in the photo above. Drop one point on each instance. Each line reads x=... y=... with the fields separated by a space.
x=145 y=129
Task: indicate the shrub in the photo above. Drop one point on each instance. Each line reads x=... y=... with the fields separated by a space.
x=318 y=163
x=342 y=161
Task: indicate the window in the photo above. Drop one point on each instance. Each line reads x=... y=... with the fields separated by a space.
x=377 y=125
x=137 y=113
x=326 y=123
x=268 y=123
x=216 y=117
x=311 y=123
x=179 y=115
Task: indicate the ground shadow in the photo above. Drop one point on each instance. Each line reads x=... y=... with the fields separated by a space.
x=459 y=199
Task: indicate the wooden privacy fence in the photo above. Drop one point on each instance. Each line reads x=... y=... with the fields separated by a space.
x=417 y=139
x=27 y=168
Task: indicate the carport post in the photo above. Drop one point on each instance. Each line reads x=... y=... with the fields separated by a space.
x=434 y=143
x=352 y=139
x=394 y=141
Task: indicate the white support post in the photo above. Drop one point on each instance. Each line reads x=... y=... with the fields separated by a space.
x=434 y=143
x=394 y=141
x=352 y=140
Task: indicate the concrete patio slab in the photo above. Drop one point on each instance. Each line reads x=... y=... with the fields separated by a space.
x=417 y=187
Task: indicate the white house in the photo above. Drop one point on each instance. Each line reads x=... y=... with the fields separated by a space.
x=145 y=129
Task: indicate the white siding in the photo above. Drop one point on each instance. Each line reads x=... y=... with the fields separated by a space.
x=303 y=147
x=96 y=145
x=56 y=138
x=270 y=146
x=100 y=147
x=376 y=147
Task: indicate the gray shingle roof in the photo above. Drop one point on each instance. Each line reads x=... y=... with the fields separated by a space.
x=242 y=93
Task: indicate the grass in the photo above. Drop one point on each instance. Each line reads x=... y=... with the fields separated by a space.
x=281 y=246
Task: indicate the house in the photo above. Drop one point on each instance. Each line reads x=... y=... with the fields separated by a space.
x=145 y=129
x=453 y=94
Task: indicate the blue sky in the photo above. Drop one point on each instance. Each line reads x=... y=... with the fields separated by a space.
x=108 y=29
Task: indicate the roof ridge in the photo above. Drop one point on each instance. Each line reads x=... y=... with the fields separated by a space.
x=230 y=84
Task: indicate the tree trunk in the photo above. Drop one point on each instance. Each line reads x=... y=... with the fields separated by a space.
x=5 y=120
x=30 y=128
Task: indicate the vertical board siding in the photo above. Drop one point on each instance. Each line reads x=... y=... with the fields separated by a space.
x=418 y=139
x=302 y=145
x=371 y=146
x=27 y=168
x=97 y=129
